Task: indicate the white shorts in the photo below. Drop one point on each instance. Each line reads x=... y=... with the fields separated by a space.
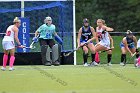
x=8 y=45
x=105 y=44
x=138 y=44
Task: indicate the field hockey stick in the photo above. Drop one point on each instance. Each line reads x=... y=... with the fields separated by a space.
x=105 y=50
x=25 y=47
x=134 y=54
x=70 y=52
x=132 y=57
x=31 y=46
x=74 y=50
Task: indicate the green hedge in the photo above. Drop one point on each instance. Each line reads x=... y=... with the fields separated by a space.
x=119 y=14
x=103 y=57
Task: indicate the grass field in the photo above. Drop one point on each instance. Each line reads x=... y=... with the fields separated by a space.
x=71 y=79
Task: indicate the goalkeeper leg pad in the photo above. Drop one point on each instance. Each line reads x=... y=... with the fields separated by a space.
x=44 y=54
x=56 y=51
x=48 y=57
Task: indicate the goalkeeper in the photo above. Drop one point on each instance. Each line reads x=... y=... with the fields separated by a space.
x=47 y=43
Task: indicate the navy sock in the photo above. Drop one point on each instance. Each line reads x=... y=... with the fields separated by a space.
x=123 y=58
x=93 y=57
x=109 y=56
x=85 y=56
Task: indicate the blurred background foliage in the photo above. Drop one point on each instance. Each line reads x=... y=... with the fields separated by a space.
x=119 y=14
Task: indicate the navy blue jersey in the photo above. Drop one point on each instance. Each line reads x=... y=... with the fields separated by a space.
x=86 y=34
x=129 y=40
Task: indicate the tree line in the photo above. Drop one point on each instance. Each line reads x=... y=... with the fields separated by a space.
x=118 y=14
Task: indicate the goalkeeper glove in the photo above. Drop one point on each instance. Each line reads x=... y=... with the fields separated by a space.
x=58 y=39
x=35 y=39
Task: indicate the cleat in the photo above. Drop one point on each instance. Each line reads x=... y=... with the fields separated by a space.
x=94 y=64
x=11 y=69
x=122 y=64
x=138 y=65
x=86 y=64
x=3 y=68
x=109 y=64
x=56 y=63
x=48 y=63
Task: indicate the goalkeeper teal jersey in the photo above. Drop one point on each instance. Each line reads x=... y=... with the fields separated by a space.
x=46 y=32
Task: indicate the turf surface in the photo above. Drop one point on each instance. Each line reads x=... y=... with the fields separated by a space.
x=71 y=79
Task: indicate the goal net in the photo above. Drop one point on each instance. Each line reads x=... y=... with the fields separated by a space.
x=61 y=12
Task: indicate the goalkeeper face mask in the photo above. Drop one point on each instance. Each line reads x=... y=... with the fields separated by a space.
x=48 y=20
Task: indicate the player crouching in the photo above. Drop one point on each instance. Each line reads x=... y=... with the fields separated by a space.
x=129 y=43
x=85 y=36
x=104 y=43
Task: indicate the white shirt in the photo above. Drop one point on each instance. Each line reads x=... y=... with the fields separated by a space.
x=103 y=37
x=9 y=34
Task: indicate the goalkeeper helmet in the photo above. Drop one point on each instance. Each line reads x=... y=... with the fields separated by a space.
x=47 y=19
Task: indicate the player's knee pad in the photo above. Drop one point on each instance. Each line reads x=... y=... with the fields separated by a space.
x=56 y=50
x=44 y=53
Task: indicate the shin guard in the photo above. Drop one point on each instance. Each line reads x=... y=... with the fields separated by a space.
x=56 y=53
x=45 y=53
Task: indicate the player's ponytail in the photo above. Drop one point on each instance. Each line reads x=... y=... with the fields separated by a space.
x=103 y=21
x=128 y=32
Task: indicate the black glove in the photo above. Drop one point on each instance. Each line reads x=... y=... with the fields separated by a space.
x=103 y=32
